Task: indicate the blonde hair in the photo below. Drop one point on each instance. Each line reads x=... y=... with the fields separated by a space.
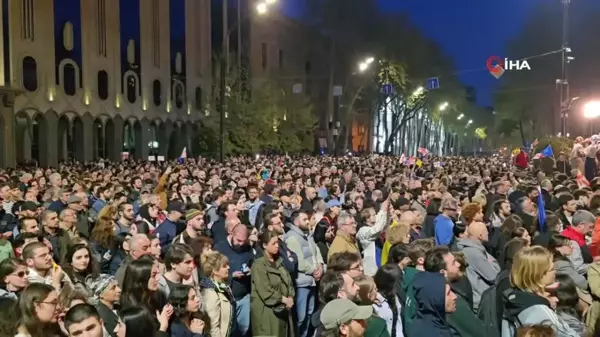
x=211 y=261
x=366 y=285
x=397 y=233
x=529 y=267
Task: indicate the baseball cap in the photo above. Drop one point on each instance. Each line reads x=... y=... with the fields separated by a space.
x=176 y=206
x=340 y=311
x=29 y=206
x=334 y=203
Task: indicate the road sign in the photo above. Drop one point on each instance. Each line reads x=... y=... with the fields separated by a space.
x=297 y=88
x=337 y=90
x=386 y=89
x=433 y=83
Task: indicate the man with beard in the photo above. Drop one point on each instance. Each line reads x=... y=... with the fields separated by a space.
x=290 y=262
x=240 y=256
x=463 y=321
x=334 y=285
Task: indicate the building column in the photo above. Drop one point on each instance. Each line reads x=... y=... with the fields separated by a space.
x=88 y=139
x=114 y=143
x=164 y=139
x=144 y=139
x=48 y=140
x=7 y=103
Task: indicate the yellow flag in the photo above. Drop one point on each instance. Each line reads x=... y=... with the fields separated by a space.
x=419 y=163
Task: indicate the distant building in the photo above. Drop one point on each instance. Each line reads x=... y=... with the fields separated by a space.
x=99 y=78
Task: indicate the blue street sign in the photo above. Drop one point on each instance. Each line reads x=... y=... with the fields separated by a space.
x=386 y=89
x=433 y=83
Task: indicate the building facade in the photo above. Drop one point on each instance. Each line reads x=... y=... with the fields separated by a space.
x=91 y=79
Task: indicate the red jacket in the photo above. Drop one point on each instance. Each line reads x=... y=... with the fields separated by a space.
x=574 y=235
x=521 y=160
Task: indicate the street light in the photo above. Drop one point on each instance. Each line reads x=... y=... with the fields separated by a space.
x=262 y=8
x=364 y=65
x=591 y=109
x=443 y=106
x=418 y=91
x=460 y=116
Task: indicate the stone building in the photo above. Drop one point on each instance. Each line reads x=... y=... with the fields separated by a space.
x=91 y=79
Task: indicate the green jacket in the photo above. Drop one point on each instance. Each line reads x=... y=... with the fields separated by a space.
x=376 y=327
x=270 y=283
x=464 y=322
x=409 y=306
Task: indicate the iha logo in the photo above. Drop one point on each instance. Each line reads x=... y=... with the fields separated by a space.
x=497 y=65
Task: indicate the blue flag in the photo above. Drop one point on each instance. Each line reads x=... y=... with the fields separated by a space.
x=541 y=210
x=547 y=152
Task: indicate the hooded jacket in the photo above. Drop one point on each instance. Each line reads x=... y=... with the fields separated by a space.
x=430 y=300
x=482 y=270
x=524 y=308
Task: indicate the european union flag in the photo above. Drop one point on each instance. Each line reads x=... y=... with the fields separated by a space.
x=547 y=152
x=541 y=209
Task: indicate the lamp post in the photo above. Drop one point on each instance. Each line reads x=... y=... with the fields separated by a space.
x=563 y=82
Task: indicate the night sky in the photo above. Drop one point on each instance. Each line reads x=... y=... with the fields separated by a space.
x=469 y=31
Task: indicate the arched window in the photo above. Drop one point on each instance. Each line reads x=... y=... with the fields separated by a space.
x=157 y=92
x=102 y=84
x=179 y=96
x=198 y=98
x=30 y=82
x=131 y=89
x=69 y=79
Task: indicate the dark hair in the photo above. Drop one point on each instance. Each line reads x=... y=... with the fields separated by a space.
x=139 y=322
x=434 y=259
x=434 y=206
x=92 y=269
x=9 y=316
x=79 y=313
x=7 y=267
x=556 y=241
x=34 y=294
x=342 y=262
x=331 y=283
x=178 y=298
x=397 y=253
x=135 y=285
x=142 y=227
x=567 y=296
x=385 y=279
x=266 y=236
x=176 y=254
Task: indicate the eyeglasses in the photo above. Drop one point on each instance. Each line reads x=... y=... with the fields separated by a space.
x=21 y=274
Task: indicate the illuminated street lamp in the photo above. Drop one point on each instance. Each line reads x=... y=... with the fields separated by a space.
x=591 y=109
x=469 y=123
x=364 y=65
x=460 y=116
x=262 y=8
x=418 y=91
x=443 y=106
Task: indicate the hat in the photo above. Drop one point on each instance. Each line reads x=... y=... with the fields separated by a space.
x=340 y=311
x=98 y=285
x=176 y=206
x=192 y=213
x=29 y=206
x=74 y=200
x=334 y=203
x=146 y=190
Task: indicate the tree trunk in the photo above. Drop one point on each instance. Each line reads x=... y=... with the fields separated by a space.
x=522 y=132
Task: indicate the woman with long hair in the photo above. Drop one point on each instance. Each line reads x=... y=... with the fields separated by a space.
x=272 y=293
x=216 y=294
x=79 y=265
x=13 y=277
x=532 y=278
x=185 y=320
x=9 y=316
x=388 y=304
x=568 y=307
x=140 y=285
x=102 y=238
x=139 y=322
x=149 y=213
x=40 y=310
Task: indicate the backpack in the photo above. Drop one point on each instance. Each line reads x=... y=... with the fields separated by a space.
x=490 y=311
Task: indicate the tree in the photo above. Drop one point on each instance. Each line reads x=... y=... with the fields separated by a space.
x=267 y=119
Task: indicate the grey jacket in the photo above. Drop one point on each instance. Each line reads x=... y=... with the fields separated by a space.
x=564 y=267
x=309 y=255
x=539 y=314
x=483 y=268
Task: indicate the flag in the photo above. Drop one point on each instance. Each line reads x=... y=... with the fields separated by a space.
x=547 y=152
x=419 y=163
x=411 y=161
x=423 y=151
x=183 y=155
x=541 y=210
x=403 y=159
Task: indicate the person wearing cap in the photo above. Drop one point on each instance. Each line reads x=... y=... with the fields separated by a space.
x=324 y=231
x=443 y=223
x=582 y=225
x=193 y=235
x=168 y=229
x=345 y=237
x=105 y=294
x=341 y=317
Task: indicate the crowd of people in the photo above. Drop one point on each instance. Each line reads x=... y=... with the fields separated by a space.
x=299 y=247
